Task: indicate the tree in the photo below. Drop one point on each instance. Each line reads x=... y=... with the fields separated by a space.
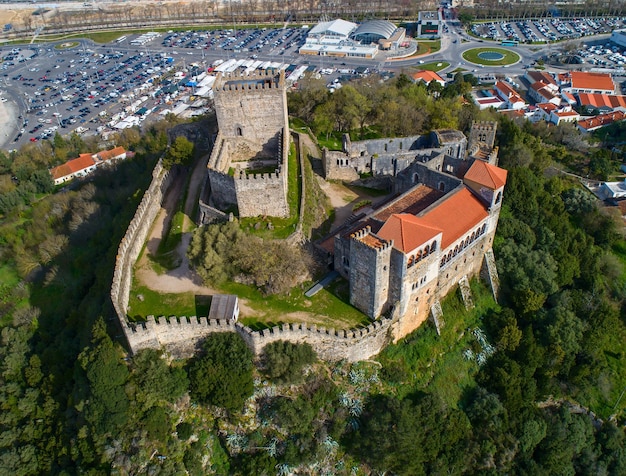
x=179 y=153
x=222 y=375
x=283 y=361
x=107 y=406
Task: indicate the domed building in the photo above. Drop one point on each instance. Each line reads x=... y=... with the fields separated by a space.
x=381 y=32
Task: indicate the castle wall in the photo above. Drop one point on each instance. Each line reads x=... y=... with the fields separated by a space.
x=135 y=237
x=396 y=145
x=420 y=173
x=262 y=194
x=181 y=337
x=223 y=194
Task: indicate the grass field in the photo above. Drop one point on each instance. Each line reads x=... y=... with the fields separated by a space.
x=434 y=66
x=509 y=57
x=427 y=361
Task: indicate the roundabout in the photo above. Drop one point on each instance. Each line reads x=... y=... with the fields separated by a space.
x=492 y=56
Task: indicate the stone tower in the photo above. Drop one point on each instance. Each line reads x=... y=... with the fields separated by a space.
x=247 y=170
x=369 y=264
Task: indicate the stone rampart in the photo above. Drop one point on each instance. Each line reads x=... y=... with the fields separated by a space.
x=182 y=336
x=135 y=237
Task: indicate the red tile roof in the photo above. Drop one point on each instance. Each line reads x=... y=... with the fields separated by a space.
x=486 y=174
x=601 y=120
x=457 y=215
x=407 y=232
x=109 y=154
x=541 y=76
x=587 y=80
x=427 y=76
x=601 y=100
x=508 y=92
x=412 y=202
x=82 y=162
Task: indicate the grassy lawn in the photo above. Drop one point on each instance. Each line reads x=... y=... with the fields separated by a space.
x=428 y=46
x=328 y=308
x=332 y=142
x=280 y=227
x=426 y=361
x=164 y=304
x=435 y=66
x=509 y=57
x=66 y=46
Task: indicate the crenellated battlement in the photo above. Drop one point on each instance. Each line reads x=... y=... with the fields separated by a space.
x=265 y=176
x=254 y=81
x=182 y=336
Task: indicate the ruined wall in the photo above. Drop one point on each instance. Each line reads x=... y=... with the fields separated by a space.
x=135 y=237
x=182 y=337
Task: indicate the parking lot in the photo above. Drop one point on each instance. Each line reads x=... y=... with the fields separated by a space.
x=84 y=88
x=548 y=30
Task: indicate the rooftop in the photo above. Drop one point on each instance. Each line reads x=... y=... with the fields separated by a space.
x=413 y=202
x=486 y=174
x=407 y=232
x=587 y=80
x=460 y=212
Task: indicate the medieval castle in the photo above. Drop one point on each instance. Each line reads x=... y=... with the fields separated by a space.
x=436 y=231
x=399 y=258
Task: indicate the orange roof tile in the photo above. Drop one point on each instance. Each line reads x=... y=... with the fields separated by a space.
x=407 y=231
x=486 y=174
x=588 y=80
x=60 y=171
x=413 y=202
x=541 y=76
x=565 y=113
x=457 y=215
x=602 y=100
x=109 y=154
x=427 y=76
x=601 y=120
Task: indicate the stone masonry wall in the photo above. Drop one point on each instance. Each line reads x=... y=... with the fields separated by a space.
x=135 y=237
x=182 y=337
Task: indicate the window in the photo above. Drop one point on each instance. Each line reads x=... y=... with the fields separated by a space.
x=416 y=178
x=498 y=197
x=239 y=132
x=433 y=246
x=442 y=187
x=426 y=250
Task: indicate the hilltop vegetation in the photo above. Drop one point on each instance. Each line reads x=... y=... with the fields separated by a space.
x=506 y=389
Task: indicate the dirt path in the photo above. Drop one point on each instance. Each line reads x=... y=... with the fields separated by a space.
x=181 y=279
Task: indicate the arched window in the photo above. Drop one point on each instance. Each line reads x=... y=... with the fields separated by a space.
x=416 y=178
x=442 y=187
x=385 y=147
x=433 y=246
x=473 y=237
x=498 y=197
x=456 y=250
x=484 y=227
x=426 y=250
x=239 y=132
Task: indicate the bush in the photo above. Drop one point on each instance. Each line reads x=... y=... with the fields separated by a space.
x=222 y=376
x=283 y=361
x=184 y=430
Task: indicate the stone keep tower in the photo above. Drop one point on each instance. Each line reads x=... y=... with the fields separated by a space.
x=248 y=165
x=369 y=272
x=252 y=107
